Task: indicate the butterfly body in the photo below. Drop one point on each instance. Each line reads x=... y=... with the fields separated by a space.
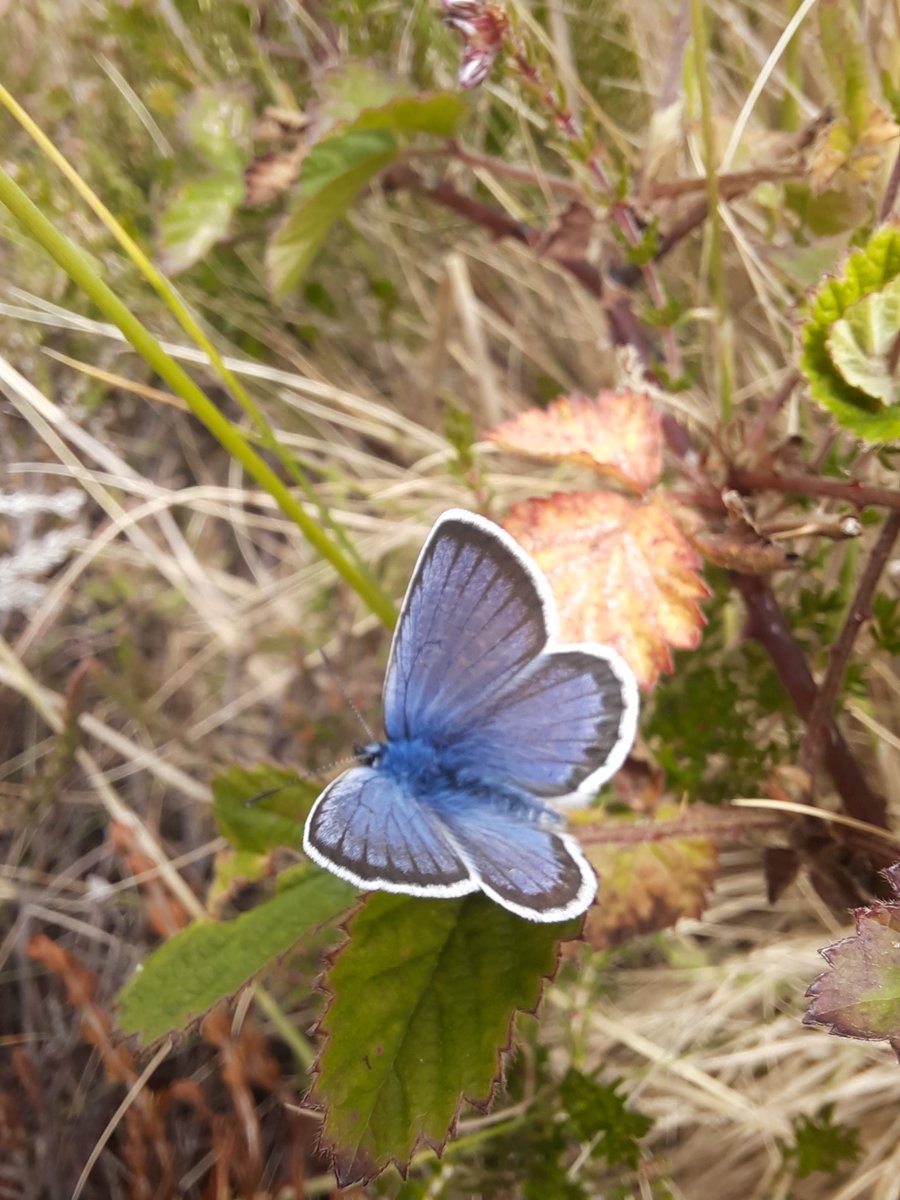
x=487 y=720
x=448 y=783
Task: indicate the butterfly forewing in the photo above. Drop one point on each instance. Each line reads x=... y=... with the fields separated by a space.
x=473 y=669
x=368 y=828
x=471 y=621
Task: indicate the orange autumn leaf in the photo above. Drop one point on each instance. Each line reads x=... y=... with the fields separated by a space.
x=618 y=434
x=648 y=886
x=622 y=572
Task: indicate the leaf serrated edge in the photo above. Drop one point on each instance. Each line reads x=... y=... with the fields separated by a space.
x=193 y=1020
x=865 y=420
x=316 y=1104
x=892 y=875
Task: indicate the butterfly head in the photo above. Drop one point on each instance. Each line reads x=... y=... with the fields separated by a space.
x=370 y=755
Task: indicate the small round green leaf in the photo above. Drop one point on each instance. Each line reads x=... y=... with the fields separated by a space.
x=861 y=344
x=836 y=381
x=195 y=218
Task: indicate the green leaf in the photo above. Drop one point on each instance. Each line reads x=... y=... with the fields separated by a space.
x=356 y=86
x=217 y=124
x=821 y=1145
x=210 y=960
x=424 y=994
x=858 y=995
x=886 y=622
x=440 y=114
x=869 y=271
x=195 y=218
x=253 y=820
x=599 y=1115
x=362 y=97
x=333 y=173
x=861 y=344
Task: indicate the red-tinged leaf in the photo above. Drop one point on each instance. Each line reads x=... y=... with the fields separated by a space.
x=648 y=886
x=622 y=571
x=858 y=995
x=618 y=434
x=423 y=997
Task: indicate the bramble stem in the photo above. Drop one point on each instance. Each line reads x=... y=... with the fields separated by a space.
x=859 y=612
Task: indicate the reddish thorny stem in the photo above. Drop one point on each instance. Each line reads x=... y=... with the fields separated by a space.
x=484 y=29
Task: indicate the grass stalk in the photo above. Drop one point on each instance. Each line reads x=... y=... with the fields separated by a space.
x=178 y=309
x=80 y=271
x=723 y=347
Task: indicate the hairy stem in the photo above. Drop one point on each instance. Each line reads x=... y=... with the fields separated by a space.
x=768 y=625
x=860 y=611
x=857 y=494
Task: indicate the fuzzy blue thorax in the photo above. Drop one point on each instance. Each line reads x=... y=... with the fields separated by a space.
x=439 y=777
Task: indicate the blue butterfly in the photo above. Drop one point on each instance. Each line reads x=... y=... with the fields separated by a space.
x=487 y=721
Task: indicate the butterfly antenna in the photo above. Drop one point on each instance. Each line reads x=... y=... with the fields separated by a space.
x=337 y=679
x=253 y=800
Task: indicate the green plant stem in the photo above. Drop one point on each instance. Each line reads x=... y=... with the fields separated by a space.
x=78 y=268
x=303 y=1052
x=723 y=350
x=177 y=307
x=793 y=69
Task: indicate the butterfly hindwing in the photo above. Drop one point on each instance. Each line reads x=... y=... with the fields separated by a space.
x=560 y=728
x=531 y=869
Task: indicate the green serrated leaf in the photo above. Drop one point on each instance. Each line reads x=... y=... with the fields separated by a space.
x=868 y=271
x=820 y=1144
x=195 y=218
x=599 y=1115
x=861 y=344
x=424 y=993
x=333 y=173
x=217 y=123
x=254 y=820
x=211 y=960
